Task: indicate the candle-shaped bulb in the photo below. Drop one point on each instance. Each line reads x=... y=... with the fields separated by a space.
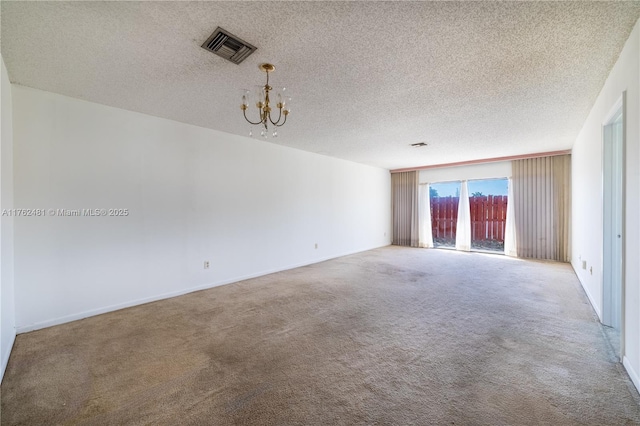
x=260 y=95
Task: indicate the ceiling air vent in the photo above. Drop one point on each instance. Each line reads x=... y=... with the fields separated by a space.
x=228 y=46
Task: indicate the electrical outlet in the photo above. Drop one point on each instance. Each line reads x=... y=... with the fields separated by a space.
x=206 y=264
x=316 y=245
x=584 y=264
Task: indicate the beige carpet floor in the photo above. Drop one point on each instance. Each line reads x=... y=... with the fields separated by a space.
x=393 y=336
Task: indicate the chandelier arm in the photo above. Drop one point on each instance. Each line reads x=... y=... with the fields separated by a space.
x=245 y=117
x=279 y=117
x=280 y=125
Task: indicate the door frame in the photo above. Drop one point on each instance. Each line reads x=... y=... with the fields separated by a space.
x=619 y=108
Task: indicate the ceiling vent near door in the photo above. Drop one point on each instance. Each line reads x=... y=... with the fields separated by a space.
x=228 y=46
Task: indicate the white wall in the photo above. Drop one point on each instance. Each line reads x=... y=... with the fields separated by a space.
x=587 y=196
x=499 y=169
x=194 y=194
x=7 y=315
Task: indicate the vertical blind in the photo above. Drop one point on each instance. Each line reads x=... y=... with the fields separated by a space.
x=542 y=206
x=510 y=237
x=463 y=226
x=404 y=208
x=425 y=239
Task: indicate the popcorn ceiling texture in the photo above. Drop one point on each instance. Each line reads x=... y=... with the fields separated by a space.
x=472 y=79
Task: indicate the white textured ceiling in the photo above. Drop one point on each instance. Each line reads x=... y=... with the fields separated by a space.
x=472 y=79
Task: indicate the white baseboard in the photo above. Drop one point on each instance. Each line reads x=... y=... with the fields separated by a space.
x=589 y=296
x=92 y=312
x=632 y=373
x=6 y=355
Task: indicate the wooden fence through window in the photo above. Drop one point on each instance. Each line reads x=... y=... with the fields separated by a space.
x=488 y=216
x=444 y=219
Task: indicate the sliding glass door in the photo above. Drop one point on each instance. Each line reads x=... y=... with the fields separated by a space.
x=488 y=213
x=488 y=205
x=444 y=198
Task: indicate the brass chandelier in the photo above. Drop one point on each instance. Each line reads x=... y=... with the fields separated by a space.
x=263 y=103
